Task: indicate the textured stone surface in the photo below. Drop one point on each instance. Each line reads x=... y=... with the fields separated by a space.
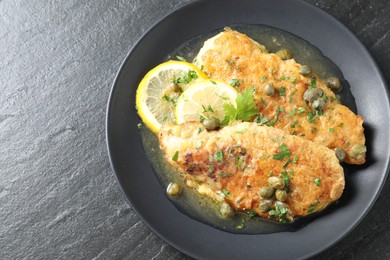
x=58 y=196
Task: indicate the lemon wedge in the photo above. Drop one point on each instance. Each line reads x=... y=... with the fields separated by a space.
x=159 y=90
x=204 y=99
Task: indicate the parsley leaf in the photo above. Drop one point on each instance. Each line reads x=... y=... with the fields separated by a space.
x=246 y=107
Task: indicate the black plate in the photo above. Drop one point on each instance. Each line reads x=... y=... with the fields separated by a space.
x=140 y=184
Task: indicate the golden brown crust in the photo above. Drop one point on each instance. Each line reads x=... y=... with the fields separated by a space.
x=232 y=55
x=247 y=151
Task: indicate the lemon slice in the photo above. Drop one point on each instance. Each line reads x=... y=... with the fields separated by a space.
x=204 y=99
x=160 y=89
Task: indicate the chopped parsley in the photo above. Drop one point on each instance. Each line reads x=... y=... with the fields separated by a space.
x=284 y=152
x=331 y=130
x=224 y=175
x=186 y=78
x=263 y=79
x=234 y=83
x=245 y=107
x=280 y=213
x=261 y=120
x=169 y=99
x=293 y=79
x=211 y=168
x=301 y=110
x=286 y=180
x=226 y=192
x=241 y=225
x=294 y=123
x=317 y=181
x=295 y=159
x=273 y=121
x=311 y=117
x=175 y=156
x=311 y=208
x=207 y=109
x=293 y=112
x=180 y=58
x=219 y=156
x=282 y=91
x=313 y=82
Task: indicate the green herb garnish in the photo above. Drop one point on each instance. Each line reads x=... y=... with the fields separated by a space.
x=284 y=152
x=175 y=156
x=246 y=108
x=286 y=180
x=169 y=99
x=313 y=82
x=234 y=83
x=224 y=175
x=280 y=212
x=311 y=208
x=317 y=181
x=294 y=123
x=261 y=120
x=282 y=91
x=219 y=156
x=226 y=192
x=293 y=79
x=180 y=58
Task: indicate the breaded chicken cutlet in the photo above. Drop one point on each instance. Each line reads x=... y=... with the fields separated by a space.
x=252 y=167
x=299 y=105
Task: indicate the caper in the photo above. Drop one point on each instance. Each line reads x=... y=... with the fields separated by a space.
x=173 y=189
x=312 y=94
x=269 y=89
x=266 y=192
x=284 y=54
x=334 y=84
x=276 y=182
x=318 y=104
x=281 y=195
x=211 y=123
x=358 y=151
x=225 y=210
x=265 y=206
x=340 y=154
x=305 y=70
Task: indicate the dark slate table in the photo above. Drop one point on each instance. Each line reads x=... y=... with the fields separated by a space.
x=59 y=198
